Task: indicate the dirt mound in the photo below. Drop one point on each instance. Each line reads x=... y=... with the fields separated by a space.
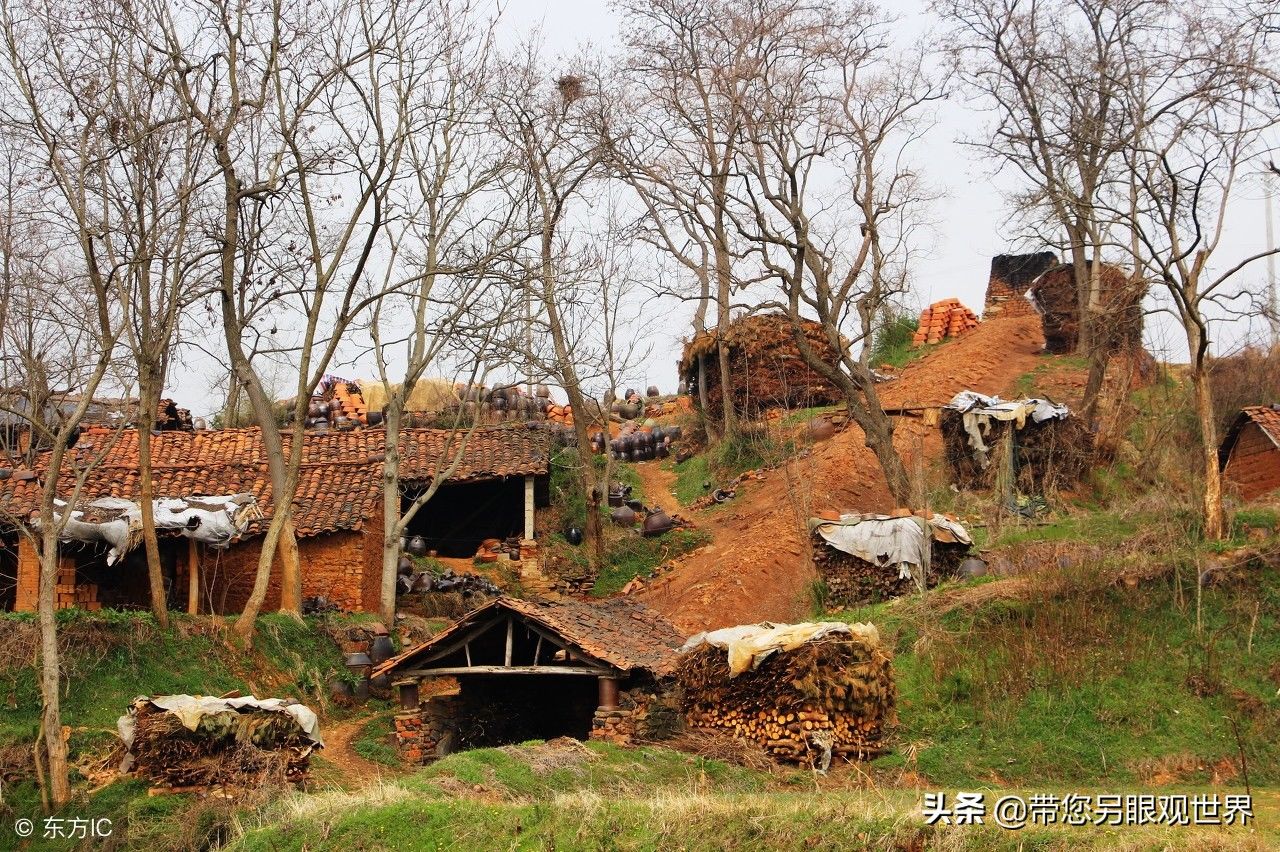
x=758 y=567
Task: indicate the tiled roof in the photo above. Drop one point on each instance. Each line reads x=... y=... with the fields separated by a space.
x=1266 y=416
x=340 y=479
x=625 y=634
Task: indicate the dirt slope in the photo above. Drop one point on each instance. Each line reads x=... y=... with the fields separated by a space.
x=758 y=567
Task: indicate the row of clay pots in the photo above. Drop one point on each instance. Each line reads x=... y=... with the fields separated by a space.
x=656 y=521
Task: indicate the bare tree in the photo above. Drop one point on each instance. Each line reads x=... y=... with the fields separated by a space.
x=60 y=323
x=301 y=110
x=1200 y=124
x=452 y=249
x=674 y=138
x=545 y=125
x=833 y=112
x=1052 y=74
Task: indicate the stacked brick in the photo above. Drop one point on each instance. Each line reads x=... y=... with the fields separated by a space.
x=943 y=320
x=68 y=595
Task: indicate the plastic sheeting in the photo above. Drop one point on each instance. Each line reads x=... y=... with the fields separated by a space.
x=751 y=644
x=979 y=410
x=190 y=709
x=892 y=542
x=216 y=521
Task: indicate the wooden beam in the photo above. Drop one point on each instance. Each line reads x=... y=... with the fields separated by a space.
x=537 y=649
x=510 y=630
x=193 y=577
x=512 y=670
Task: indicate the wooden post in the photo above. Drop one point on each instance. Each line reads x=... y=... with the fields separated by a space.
x=608 y=692
x=510 y=631
x=193 y=578
x=528 y=508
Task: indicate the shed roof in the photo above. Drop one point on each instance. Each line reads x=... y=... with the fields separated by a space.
x=340 y=478
x=1267 y=417
x=622 y=633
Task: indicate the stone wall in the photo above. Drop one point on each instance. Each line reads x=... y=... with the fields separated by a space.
x=420 y=733
x=643 y=714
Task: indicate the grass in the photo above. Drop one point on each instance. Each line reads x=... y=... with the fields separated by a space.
x=634 y=555
x=754 y=448
x=1030 y=384
x=544 y=796
x=1114 y=686
x=690 y=476
x=892 y=341
x=374 y=741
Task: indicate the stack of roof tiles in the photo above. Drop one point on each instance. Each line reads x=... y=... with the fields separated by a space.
x=944 y=319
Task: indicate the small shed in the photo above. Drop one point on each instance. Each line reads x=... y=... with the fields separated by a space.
x=1249 y=456
x=514 y=670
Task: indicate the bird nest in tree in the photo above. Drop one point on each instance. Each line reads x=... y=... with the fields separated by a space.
x=766 y=367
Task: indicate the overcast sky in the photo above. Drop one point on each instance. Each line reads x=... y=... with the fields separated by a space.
x=970 y=219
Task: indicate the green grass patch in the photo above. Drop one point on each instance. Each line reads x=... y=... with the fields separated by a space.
x=375 y=741
x=634 y=555
x=1107 y=686
x=691 y=474
x=891 y=343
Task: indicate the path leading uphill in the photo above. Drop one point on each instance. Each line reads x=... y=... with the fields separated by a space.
x=758 y=567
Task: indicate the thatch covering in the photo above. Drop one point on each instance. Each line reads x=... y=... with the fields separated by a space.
x=428 y=395
x=767 y=369
x=829 y=696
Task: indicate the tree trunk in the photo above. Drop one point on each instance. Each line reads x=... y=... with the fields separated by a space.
x=150 y=543
x=877 y=430
x=703 y=399
x=390 y=514
x=1214 y=520
x=50 y=669
x=290 y=571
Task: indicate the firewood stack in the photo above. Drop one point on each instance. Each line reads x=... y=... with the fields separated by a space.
x=852 y=581
x=837 y=690
x=230 y=748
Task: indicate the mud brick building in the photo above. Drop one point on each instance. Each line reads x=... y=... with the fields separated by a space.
x=1249 y=456
x=501 y=476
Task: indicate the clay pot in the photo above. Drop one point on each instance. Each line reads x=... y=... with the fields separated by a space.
x=673 y=432
x=573 y=535
x=381 y=649
x=656 y=523
x=417 y=546
x=652 y=391
x=405 y=566
x=623 y=516
x=972 y=567
x=662 y=451
x=315 y=410
x=374 y=418
x=422 y=583
x=820 y=429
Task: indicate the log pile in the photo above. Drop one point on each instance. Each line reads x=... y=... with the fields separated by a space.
x=834 y=692
x=766 y=368
x=232 y=748
x=943 y=320
x=851 y=581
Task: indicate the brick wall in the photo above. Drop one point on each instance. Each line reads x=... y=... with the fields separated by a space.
x=1011 y=277
x=343 y=566
x=1254 y=465
x=28 y=576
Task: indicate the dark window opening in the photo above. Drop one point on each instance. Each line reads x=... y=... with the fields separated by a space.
x=8 y=573
x=125 y=585
x=461 y=515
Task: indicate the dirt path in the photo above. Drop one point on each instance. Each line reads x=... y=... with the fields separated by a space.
x=339 y=752
x=758 y=566
x=658 y=484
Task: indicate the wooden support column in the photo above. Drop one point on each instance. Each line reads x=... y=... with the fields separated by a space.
x=193 y=577
x=608 y=692
x=528 y=508
x=510 y=632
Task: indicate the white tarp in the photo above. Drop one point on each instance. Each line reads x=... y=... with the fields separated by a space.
x=190 y=709
x=213 y=520
x=892 y=542
x=979 y=410
x=750 y=644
